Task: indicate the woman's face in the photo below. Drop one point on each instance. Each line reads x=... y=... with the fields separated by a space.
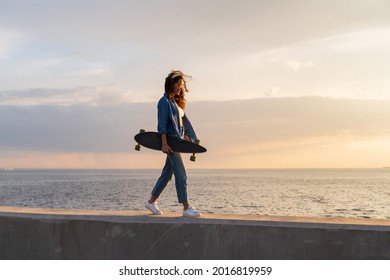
x=178 y=87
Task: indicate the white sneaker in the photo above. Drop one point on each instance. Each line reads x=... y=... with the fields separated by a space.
x=153 y=208
x=191 y=212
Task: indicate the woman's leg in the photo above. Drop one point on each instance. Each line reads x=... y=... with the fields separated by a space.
x=163 y=180
x=180 y=173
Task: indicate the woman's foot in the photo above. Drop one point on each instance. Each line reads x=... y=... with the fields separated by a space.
x=153 y=208
x=191 y=212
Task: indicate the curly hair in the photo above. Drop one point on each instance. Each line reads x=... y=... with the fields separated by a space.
x=170 y=81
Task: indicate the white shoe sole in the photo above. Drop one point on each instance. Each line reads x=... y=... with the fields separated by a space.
x=198 y=215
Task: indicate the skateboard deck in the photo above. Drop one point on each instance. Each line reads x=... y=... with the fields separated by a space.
x=152 y=140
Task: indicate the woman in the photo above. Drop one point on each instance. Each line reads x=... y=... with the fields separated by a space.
x=173 y=121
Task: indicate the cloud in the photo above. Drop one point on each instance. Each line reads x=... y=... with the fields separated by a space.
x=239 y=27
x=234 y=52
x=8 y=39
x=272 y=91
x=346 y=65
x=294 y=132
x=296 y=65
x=246 y=133
x=90 y=96
x=78 y=128
x=367 y=40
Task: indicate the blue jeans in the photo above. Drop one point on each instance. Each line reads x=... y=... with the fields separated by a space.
x=173 y=166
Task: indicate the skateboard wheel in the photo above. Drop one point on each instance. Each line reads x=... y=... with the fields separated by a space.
x=141 y=130
x=197 y=141
x=193 y=157
x=138 y=147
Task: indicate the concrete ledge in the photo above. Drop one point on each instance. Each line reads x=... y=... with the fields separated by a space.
x=27 y=233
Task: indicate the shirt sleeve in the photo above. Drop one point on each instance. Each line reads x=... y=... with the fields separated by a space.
x=162 y=117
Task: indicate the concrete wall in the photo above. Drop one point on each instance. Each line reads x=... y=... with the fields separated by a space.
x=66 y=234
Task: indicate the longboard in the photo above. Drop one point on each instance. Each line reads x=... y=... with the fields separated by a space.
x=152 y=140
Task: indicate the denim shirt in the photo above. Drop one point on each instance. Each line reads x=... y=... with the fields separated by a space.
x=169 y=123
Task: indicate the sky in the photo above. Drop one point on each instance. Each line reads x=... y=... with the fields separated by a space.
x=79 y=78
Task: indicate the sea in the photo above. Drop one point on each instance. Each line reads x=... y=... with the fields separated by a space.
x=353 y=193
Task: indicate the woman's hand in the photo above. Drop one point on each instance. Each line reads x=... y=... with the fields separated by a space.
x=165 y=147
